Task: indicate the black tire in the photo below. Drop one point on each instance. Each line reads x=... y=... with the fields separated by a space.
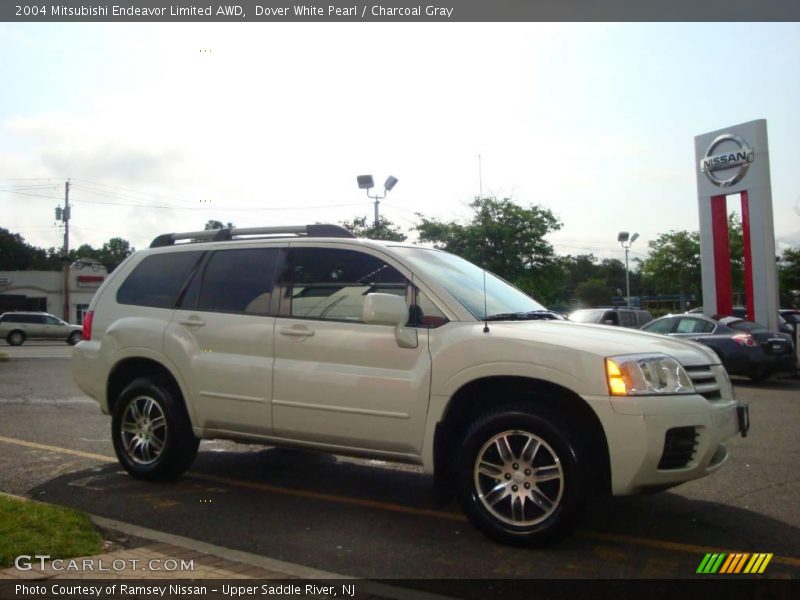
x=74 y=338
x=15 y=338
x=143 y=459
x=518 y=515
x=759 y=374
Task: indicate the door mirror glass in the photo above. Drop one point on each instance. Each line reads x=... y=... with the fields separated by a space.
x=385 y=309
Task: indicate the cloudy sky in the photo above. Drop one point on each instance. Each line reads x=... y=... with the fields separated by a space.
x=163 y=126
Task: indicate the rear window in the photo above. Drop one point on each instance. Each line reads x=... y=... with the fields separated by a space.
x=158 y=279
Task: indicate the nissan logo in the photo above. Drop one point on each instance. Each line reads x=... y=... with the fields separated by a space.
x=739 y=159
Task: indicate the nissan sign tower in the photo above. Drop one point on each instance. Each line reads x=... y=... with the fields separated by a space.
x=735 y=160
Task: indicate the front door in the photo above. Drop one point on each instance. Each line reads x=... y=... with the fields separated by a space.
x=337 y=380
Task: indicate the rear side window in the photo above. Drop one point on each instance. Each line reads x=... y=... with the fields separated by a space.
x=687 y=325
x=157 y=280
x=239 y=281
x=627 y=319
x=659 y=326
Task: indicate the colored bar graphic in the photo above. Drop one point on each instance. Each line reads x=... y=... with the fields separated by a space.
x=758 y=563
x=711 y=563
x=733 y=564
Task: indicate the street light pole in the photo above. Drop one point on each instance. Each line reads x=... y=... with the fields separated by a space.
x=627 y=240
x=627 y=277
x=365 y=182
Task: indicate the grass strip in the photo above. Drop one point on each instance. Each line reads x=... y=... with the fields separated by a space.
x=28 y=527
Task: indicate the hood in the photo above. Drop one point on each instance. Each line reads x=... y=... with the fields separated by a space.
x=606 y=340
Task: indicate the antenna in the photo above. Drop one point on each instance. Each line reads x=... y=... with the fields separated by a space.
x=485 y=311
x=480 y=177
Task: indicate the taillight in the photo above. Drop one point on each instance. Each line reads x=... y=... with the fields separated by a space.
x=745 y=339
x=87 y=325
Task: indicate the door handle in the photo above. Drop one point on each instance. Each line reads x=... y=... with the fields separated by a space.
x=297 y=331
x=192 y=322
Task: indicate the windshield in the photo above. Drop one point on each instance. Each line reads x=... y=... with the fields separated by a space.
x=465 y=282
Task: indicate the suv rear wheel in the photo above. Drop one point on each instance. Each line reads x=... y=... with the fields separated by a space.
x=151 y=431
x=520 y=477
x=15 y=338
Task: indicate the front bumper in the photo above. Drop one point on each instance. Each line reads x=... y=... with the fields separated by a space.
x=638 y=438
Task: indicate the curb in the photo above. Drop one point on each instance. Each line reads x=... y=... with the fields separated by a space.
x=254 y=560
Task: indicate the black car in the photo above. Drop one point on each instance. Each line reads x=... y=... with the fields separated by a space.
x=745 y=348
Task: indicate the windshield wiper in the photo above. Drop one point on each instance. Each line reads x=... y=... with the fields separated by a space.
x=532 y=315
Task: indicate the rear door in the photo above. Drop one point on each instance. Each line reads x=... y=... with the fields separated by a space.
x=221 y=336
x=337 y=380
x=32 y=325
x=54 y=328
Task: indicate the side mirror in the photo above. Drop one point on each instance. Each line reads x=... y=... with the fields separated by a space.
x=385 y=309
x=388 y=309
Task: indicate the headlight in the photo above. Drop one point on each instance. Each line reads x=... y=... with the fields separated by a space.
x=646 y=374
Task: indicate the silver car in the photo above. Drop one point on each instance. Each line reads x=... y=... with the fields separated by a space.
x=16 y=327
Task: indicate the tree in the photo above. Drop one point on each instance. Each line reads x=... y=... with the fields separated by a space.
x=505 y=238
x=212 y=224
x=593 y=292
x=673 y=264
x=114 y=251
x=15 y=253
x=385 y=230
x=789 y=277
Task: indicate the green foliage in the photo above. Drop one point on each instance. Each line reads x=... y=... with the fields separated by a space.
x=28 y=527
x=385 y=230
x=213 y=224
x=789 y=277
x=505 y=238
x=673 y=264
x=17 y=255
x=114 y=251
x=593 y=292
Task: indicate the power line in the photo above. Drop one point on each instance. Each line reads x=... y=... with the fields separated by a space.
x=32 y=195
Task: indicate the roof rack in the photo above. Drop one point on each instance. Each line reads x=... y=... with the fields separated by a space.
x=229 y=233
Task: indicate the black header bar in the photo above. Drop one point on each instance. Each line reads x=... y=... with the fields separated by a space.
x=338 y=11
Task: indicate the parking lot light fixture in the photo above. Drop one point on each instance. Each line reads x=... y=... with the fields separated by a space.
x=365 y=182
x=626 y=240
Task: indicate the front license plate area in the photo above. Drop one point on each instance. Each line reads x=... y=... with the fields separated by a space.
x=743 y=414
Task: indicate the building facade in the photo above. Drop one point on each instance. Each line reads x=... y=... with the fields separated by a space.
x=44 y=290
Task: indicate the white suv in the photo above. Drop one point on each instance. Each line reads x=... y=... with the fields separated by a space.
x=310 y=338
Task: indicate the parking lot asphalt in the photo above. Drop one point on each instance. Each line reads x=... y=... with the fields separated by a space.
x=375 y=520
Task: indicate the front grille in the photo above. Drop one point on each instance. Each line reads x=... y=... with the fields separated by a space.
x=679 y=446
x=705 y=382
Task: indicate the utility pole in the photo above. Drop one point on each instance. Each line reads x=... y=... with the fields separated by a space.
x=65 y=253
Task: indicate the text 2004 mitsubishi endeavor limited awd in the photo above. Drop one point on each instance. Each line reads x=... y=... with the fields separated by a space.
x=307 y=337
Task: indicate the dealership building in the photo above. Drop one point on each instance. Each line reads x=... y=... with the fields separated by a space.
x=44 y=290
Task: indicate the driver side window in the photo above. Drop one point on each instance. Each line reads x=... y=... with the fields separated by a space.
x=331 y=284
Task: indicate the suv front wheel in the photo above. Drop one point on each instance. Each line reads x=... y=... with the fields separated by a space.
x=151 y=431
x=520 y=477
